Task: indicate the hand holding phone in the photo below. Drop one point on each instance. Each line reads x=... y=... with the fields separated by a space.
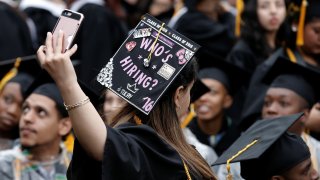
x=68 y=22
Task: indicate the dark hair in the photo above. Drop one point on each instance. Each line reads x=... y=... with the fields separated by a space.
x=164 y=120
x=253 y=33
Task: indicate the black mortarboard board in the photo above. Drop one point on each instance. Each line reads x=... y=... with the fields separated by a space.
x=266 y=132
x=263 y=149
x=28 y=64
x=198 y=89
x=301 y=79
x=19 y=70
x=231 y=76
x=45 y=85
x=303 y=11
x=136 y=78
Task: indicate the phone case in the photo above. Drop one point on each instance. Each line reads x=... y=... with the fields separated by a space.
x=69 y=22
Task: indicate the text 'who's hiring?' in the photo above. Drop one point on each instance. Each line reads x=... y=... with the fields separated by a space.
x=146 y=63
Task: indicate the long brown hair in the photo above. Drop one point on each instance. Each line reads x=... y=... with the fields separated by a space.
x=164 y=120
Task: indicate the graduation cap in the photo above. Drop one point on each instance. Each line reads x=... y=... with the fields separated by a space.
x=302 y=80
x=265 y=149
x=20 y=70
x=147 y=63
x=45 y=85
x=231 y=76
x=303 y=11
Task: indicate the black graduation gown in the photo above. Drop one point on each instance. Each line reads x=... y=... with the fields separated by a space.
x=99 y=36
x=214 y=37
x=15 y=37
x=131 y=152
x=44 y=21
x=257 y=89
x=229 y=133
x=242 y=56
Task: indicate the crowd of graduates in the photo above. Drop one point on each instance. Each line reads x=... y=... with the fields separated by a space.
x=250 y=96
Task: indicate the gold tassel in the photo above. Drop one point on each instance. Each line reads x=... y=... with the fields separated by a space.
x=69 y=142
x=11 y=74
x=240 y=6
x=189 y=117
x=229 y=175
x=300 y=32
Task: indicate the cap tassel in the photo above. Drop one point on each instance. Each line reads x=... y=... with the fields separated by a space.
x=300 y=32
x=239 y=5
x=229 y=175
x=189 y=117
x=12 y=73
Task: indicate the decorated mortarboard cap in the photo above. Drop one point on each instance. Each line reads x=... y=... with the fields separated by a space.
x=302 y=80
x=256 y=140
x=231 y=76
x=303 y=11
x=147 y=63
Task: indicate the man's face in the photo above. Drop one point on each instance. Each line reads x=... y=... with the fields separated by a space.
x=10 y=106
x=302 y=171
x=280 y=102
x=213 y=103
x=40 y=121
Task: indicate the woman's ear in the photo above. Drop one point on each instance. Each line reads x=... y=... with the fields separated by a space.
x=178 y=95
x=64 y=126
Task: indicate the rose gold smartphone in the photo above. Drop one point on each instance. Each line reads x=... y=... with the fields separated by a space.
x=69 y=22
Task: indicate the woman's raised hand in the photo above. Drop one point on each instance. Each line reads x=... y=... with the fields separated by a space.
x=56 y=62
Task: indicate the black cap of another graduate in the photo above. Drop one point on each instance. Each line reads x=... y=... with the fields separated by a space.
x=265 y=149
x=302 y=80
x=27 y=64
x=231 y=76
x=45 y=85
x=20 y=70
x=198 y=89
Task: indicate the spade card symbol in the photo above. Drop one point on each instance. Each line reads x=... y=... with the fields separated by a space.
x=130 y=45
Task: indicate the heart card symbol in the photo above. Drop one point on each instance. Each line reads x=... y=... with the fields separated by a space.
x=130 y=45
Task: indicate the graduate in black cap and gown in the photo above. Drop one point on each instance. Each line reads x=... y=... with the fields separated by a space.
x=199 y=21
x=15 y=39
x=15 y=80
x=100 y=35
x=42 y=17
x=212 y=124
x=302 y=47
x=266 y=151
x=292 y=89
x=139 y=145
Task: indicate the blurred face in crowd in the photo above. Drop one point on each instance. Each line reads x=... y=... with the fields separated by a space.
x=112 y=105
x=10 y=106
x=213 y=103
x=160 y=6
x=302 y=171
x=280 y=102
x=271 y=14
x=41 y=123
x=313 y=122
x=312 y=38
